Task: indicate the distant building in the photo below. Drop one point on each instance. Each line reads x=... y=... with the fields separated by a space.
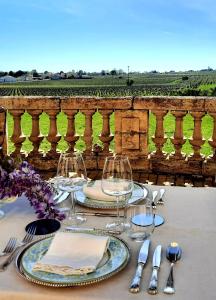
x=56 y=76
x=25 y=78
x=7 y=79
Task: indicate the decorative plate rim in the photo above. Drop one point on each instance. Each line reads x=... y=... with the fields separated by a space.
x=108 y=204
x=28 y=277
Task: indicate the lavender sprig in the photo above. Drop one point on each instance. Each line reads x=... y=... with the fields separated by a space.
x=24 y=180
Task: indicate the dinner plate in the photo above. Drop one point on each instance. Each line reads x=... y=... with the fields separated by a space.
x=114 y=260
x=139 y=192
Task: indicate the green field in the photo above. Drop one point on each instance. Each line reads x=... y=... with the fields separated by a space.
x=195 y=83
x=190 y=83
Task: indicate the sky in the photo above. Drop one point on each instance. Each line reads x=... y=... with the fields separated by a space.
x=95 y=35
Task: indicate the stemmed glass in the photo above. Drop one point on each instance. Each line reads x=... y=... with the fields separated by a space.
x=117 y=181
x=71 y=176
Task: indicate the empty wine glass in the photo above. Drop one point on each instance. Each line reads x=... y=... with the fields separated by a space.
x=72 y=176
x=117 y=181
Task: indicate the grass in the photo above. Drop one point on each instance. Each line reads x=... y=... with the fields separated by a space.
x=169 y=127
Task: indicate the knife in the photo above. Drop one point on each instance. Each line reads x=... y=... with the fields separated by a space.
x=142 y=258
x=152 y=289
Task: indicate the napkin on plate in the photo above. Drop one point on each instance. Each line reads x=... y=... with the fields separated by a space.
x=73 y=254
x=94 y=191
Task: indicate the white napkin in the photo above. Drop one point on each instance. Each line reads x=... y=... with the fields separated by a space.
x=73 y=253
x=94 y=191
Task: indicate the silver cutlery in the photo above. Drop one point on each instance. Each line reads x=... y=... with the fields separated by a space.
x=142 y=259
x=90 y=229
x=161 y=193
x=97 y=214
x=27 y=239
x=9 y=246
x=154 y=196
x=173 y=254
x=153 y=285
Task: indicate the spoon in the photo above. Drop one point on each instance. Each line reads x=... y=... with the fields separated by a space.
x=161 y=201
x=173 y=253
x=154 y=195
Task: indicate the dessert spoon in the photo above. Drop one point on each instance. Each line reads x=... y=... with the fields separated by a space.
x=173 y=254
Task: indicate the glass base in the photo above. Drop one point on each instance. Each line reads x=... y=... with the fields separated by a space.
x=138 y=236
x=145 y=220
x=117 y=226
x=74 y=220
x=2 y=214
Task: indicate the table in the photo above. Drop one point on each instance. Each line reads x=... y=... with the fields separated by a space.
x=190 y=215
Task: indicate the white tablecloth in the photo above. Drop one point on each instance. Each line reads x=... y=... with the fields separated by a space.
x=190 y=215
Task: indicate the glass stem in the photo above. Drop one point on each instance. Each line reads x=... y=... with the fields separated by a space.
x=72 y=212
x=118 y=215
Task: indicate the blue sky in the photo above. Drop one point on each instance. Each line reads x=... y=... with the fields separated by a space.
x=93 y=35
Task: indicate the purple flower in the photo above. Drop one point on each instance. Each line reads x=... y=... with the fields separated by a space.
x=24 y=180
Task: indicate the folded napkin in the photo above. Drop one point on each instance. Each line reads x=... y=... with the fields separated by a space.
x=73 y=254
x=94 y=191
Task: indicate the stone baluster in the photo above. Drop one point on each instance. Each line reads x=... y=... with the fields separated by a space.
x=71 y=136
x=3 y=131
x=17 y=137
x=212 y=141
x=53 y=136
x=159 y=138
x=105 y=136
x=88 y=133
x=178 y=138
x=197 y=141
x=35 y=137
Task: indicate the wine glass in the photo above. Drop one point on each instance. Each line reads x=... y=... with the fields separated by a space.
x=117 y=181
x=72 y=176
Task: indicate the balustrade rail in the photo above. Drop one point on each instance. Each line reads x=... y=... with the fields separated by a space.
x=131 y=136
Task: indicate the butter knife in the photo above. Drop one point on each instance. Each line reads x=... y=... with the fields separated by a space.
x=153 y=285
x=142 y=259
x=97 y=214
x=92 y=229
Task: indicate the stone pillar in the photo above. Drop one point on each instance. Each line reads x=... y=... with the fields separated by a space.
x=17 y=137
x=71 y=138
x=35 y=137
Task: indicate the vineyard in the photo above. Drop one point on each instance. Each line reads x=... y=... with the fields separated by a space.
x=183 y=84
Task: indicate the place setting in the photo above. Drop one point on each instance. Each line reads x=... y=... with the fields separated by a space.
x=69 y=252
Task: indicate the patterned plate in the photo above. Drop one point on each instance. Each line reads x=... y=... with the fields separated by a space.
x=114 y=260
x=139 y=192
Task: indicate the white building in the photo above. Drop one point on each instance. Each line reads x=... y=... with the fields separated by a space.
x=7 y=79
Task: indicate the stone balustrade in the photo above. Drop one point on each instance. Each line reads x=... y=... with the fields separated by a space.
x=131 y=136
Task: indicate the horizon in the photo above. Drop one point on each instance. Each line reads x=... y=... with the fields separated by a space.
x=94 y=36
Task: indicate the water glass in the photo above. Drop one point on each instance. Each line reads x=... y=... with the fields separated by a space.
x=140 y=220
x=117 y=181
x=71 y=176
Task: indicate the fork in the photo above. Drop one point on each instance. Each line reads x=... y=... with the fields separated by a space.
x=27 y=239
x=9 y=247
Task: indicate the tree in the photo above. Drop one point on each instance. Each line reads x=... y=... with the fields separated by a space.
x=103 y=73
x=113 y=72
x=19 y=73
x=80 y=73
x=129 y=82
x=11 y=73
x=35 y=74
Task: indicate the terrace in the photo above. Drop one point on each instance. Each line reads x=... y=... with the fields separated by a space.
x=131 y=136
